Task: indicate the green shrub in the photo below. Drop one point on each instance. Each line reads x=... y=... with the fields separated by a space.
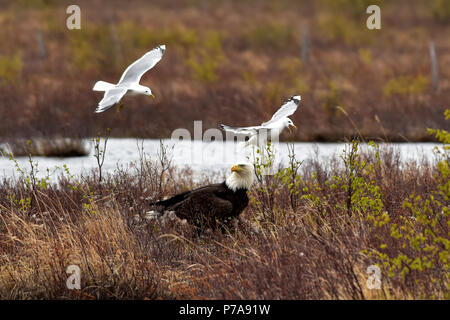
x=271 y=35
x=29 y=178
x=291 y=68
x=406 y=85
x=266 y=187
x=93 y=48
x=337 y=27
x=419 y=243
x=249 y=77
x=443 y=136
x=441 y=10
x=83 y=54
x=272 y=93
x=361 y=194
x=290 y=177
x=354 y=7
x=135 y=36
x=10 y=67
x=33 y=4
x=205 y=60
x=331 y=101
x=365 y=55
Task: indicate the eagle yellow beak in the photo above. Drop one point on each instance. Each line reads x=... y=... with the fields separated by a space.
x=152 y=95
x=236 y=168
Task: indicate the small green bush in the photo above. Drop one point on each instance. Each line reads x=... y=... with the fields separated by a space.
x=337 y=27
x=93 y=48
x=331 y=101
x=271 y=35
x=10 y=67
x=33 y=4
x=406 y=85
x=419 y=244
x=352 y=8
x=365 y=55
x=441 y=10
x=273 y=90
x=135 y=36
x=362 y=195
x=205 y=60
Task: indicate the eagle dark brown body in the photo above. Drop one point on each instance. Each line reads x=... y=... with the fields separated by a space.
x=213 y=204
x=208 y=205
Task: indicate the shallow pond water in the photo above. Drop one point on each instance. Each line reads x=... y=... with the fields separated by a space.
x=201 y=157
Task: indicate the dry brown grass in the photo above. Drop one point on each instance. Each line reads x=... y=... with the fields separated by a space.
x=35 y=257
x=310 y=250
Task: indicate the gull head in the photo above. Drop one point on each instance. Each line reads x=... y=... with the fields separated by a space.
x=288 y=123
x=148 y=92
x=296 y=99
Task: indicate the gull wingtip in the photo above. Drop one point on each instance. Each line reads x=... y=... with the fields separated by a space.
x=296 y=99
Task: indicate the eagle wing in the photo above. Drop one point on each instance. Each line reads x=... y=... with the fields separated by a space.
x=200 y=205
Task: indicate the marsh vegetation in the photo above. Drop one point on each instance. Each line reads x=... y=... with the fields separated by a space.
x=309 y=232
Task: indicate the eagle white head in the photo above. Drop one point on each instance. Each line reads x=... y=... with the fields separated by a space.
x=241 y=177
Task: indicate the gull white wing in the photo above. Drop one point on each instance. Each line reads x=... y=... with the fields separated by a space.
x=110 y=98
x=103 y=86
x=135 y=70
x=287 y=109
x=240 y=131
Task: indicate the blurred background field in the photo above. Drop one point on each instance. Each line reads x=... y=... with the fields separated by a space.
x=310 y=231
x=231 y=62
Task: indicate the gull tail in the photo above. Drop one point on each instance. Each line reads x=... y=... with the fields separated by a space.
x=103 y=86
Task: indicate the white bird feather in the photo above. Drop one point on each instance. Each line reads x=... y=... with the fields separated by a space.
x=129 y=81
x=258 y=135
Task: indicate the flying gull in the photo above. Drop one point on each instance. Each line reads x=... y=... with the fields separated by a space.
x=129 y=82
x=258 y=135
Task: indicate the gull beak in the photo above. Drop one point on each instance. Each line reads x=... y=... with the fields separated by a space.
x=289 y=128
x=235 y=168
x=152 y=95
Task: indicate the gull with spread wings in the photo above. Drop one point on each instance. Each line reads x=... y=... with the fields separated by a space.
x=258 y=135
x=129 y=82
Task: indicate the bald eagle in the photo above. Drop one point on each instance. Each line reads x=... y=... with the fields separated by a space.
x=211 y=205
